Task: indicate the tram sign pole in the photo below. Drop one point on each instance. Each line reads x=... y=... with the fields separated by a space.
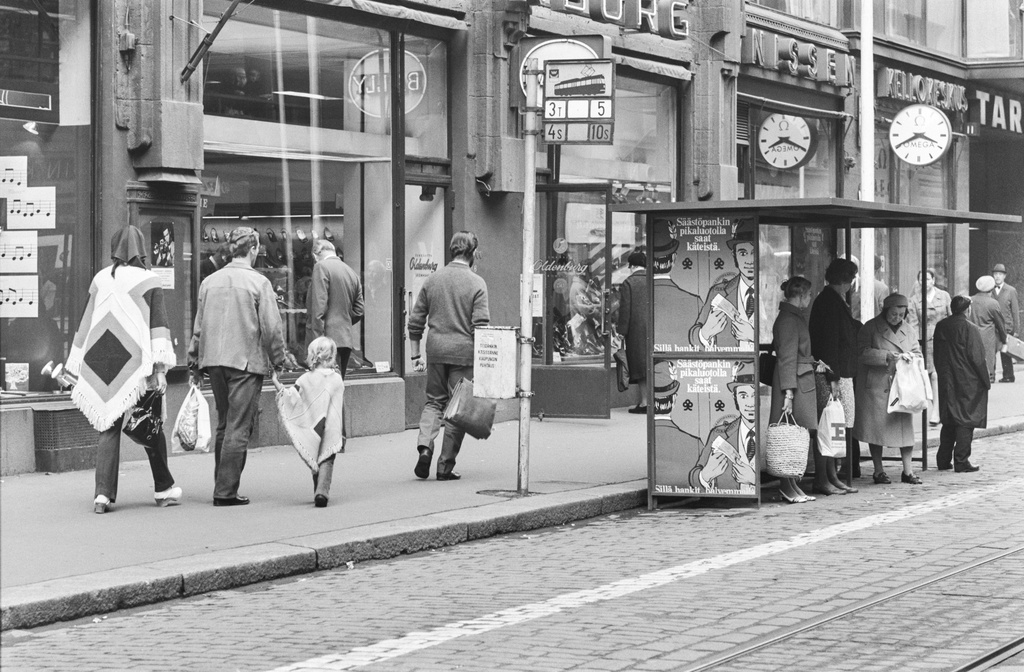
x=579 y=102
x=530 y=132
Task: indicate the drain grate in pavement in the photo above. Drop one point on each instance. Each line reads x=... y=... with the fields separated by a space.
x=510 y=494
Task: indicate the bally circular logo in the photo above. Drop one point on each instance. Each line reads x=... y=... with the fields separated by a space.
x=369 y=84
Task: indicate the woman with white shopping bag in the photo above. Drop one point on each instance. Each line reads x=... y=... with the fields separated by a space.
x=793 y=382
x=881 y=342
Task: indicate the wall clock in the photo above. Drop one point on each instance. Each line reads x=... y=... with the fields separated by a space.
x=785 y=141
x=920 y=134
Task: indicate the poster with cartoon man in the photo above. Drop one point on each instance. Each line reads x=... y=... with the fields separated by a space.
x=705 y=440
x=710 y=261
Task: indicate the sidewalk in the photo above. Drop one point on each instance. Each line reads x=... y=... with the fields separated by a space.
x=59 y=560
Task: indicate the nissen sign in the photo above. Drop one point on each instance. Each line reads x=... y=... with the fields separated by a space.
x=799 y=59
x=661 y=17
x=893 y=83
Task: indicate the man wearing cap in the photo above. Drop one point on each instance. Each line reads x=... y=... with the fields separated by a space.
x=733 y=327
x=676 y=449
x=988 y=316
x=674 y=307
x=238 y=338
x=1006 y=296
x=732 y=465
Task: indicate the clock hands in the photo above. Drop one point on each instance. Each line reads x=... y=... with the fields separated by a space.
x=784 y=140
x=916 y=136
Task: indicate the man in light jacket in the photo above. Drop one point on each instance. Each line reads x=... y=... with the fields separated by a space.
x=237 y=339
x=452 y=304
x=1006 y=296
x=335 y=303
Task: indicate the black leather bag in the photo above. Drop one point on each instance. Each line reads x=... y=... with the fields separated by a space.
x=621 y=370
x=474 y=415
x=144 y=424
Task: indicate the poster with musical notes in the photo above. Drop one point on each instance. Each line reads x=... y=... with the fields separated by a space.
x=19 y=296
x=32 y=208
x=13 y=174
x=19 y=252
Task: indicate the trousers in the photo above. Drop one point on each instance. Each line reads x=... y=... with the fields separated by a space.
x=237 y=397
x=954 y=445
x=1007 y=362
x=108 y=458
x=441 y=380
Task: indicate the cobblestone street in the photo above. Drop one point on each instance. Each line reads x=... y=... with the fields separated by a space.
x=647 y=591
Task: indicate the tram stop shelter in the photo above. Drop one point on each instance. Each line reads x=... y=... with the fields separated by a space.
x=714 y=271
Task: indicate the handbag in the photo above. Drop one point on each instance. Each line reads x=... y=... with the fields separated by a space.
x=785 y=453
x=621 y=370
x=766 y=362
x=144 y=424
x=848 y=399
x=473 y=415
x=832 y=430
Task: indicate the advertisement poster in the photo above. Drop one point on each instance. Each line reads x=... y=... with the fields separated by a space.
x=704 y=275
x=163 y=253
x=705 y=431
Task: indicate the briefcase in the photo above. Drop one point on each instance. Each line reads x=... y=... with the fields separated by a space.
x=473 y=415
x=1015 y=348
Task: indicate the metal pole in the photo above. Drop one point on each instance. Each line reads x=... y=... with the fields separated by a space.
x=526 y=280
x=867 y=155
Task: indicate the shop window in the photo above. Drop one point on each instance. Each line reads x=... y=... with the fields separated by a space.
x=794 y=156
x=425 y=245
x=899 y=182
x=994 y=29
x=46 y=187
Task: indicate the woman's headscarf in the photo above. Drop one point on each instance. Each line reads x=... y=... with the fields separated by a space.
x=128 y=245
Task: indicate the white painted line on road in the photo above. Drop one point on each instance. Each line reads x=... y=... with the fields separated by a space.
x=416 y=641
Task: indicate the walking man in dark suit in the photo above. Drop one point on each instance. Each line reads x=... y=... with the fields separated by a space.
x=335 y=304
x=1006 y=296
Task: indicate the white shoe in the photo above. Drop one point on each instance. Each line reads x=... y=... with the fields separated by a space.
x=168 y=497
x=100 y=504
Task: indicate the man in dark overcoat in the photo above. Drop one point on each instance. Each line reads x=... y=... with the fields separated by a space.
x=964 y=383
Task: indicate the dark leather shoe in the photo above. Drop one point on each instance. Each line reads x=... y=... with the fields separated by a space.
x=1007 y=380
x=422 y=469
x=912 y=479
x=450 y=476
x=969 y=468
x=320 y=501
x=944 y=467
x=881 y=479
x=237 y=500
x=638 y=409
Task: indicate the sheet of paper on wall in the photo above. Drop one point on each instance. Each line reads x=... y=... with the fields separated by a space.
x=32 y=208
x=13 y=174
x=19 y=251
x=19 y=296
x=166 y=276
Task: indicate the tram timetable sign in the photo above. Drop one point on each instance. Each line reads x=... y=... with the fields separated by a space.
x=579 y=102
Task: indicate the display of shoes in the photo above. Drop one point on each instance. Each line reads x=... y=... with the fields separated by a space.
x=213 y=236
x=881 y=479
x=328 y=235
x=912 y=479
x=271 y=236
x=168 y=497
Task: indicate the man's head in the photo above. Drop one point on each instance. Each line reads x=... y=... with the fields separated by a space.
x=665 y=389
x=743 y=391
x=841 y=274
x=985 y=284
x=323 y=249
x=960 y=304
x=244 y=243
x=637 y=259
x=999 y=274
x=463 y=246
x=742 y=246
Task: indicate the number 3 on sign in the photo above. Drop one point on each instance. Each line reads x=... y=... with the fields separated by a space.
x=554 y=109
x=554 y=132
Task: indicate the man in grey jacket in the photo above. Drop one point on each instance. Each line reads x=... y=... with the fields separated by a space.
x=237 y=338
x=335 y=304
x=452 y=303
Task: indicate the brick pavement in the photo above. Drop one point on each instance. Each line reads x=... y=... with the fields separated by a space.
x=666 y=627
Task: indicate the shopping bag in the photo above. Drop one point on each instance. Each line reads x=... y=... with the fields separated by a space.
x=621 y=370
x=785 y=452
x=766 y=362
x=832 y=430
x=192 y=429
x=909 y=392
x=144 y=423
x=847 y=398
x=473 y=415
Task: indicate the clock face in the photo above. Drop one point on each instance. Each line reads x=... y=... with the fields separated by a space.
x=920 y=134
x=785 y=141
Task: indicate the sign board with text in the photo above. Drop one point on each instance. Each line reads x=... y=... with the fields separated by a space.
x=494 y=362
x=579 y=102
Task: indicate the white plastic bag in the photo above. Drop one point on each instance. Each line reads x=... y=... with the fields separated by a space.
x=832 y=430
x=192 y=429
x=911 y=390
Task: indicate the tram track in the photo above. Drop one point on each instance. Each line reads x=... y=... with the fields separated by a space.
x=983 y=662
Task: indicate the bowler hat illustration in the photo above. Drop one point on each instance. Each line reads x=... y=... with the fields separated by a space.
x=742 y=232
x=664 y=384
x=999 y=268
x=742 y=374
x=664 y=243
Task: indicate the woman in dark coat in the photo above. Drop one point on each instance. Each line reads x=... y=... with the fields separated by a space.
x=963 y=386
x=632 y=325
x=834 y=342
x=880 y=342
x=793 y=382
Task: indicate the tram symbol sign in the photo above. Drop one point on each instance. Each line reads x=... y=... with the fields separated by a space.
x=579 y=102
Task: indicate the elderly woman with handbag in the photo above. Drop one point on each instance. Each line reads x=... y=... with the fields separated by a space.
x=793 y=382
x=881 y=342
x=120 y=353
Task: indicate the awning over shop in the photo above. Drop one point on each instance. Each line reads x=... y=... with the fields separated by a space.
x=655 y=68
x=829 y=211
x=396 y=12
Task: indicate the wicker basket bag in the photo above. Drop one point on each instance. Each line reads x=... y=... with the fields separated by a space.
x=785 y=453
x=846 y=398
